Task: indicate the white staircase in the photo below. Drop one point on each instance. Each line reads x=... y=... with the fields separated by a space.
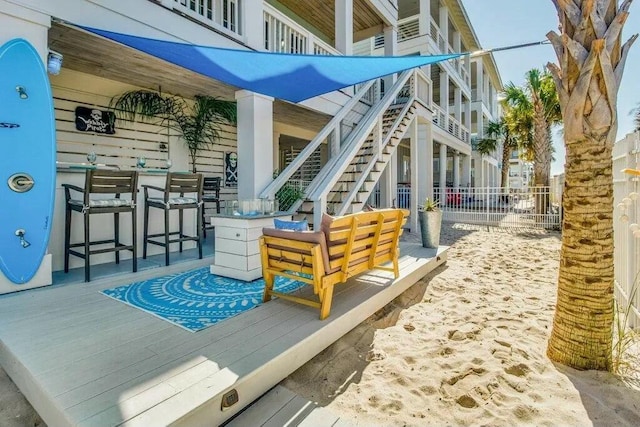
x=362 y=138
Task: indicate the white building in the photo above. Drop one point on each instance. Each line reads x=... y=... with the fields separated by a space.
x=520 y=172
x=464 y=97
x=416 y=138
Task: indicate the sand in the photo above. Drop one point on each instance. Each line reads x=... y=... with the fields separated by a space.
x=464 y=346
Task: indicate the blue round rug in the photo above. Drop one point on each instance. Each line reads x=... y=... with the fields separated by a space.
x=196 y=299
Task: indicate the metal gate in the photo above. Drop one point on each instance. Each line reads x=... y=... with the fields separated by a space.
x=532 y=208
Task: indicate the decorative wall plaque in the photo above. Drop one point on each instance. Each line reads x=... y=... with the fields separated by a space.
x=94 y=120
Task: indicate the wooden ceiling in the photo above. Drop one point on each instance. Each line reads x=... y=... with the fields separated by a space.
x=321 y=15
x=97 y=56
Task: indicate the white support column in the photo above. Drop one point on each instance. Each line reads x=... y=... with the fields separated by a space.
x=390 y=41
x=393 y=181
x=480 y=124
x=390 y=49
x=485 y=173
x=424 y=17
x=389 y=183
x=479 y=80
x=255 y=143
x=253 y=24
x=443 y=174
x=276 y=151
x=466 y=171
x=492 y=174
x=443 y=23
x=344 y=26
x=444 y=92
x=417 y=173
x=457 y=104
x=467 y=118
x=457 y=47
x=456 y=169
x=486 y=94
x=426 y=165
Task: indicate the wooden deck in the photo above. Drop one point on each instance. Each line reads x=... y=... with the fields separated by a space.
x=84 y=359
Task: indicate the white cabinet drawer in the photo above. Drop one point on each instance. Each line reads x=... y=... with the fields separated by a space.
x=232 y=233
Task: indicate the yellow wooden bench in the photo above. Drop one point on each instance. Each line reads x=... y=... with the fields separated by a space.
x=342 y=248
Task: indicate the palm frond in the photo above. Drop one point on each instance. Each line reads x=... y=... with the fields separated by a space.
x=198 y=122
x=141 y=104
x=486 y=145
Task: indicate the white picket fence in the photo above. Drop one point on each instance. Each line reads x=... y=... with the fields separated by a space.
x=538 y=207
x=626 y=231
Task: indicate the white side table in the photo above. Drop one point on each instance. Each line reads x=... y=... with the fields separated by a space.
x=237 y=250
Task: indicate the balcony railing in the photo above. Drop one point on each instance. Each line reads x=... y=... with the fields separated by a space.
x=450 y=124
x=445 y=48
x=223 y=15
x=284 y=35
x=408 y=28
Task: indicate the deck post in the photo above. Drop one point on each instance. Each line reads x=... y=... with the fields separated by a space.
x=255 y=143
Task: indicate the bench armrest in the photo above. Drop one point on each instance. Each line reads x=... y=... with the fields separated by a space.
x=316 y=237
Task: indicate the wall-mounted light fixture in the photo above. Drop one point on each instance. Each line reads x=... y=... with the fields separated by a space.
x=54 y=62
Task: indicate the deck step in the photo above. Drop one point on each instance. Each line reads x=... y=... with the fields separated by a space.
x=282 y=407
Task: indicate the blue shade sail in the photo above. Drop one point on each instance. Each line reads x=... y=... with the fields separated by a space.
x=291 y=77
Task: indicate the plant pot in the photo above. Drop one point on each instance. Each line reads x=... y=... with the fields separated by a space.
x=430 y=224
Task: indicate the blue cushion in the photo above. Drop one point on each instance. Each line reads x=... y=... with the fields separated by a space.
x=291 y=225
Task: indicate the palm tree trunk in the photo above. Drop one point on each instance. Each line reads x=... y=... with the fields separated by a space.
x=542 y=149
x=506 y=155
x=591 y=61
x=541 y=163
x=584 y=313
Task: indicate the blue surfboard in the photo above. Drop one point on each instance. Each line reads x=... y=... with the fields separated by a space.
x=27 y=160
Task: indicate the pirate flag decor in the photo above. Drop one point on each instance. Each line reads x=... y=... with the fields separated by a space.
x=94 y=120
x=230 y=169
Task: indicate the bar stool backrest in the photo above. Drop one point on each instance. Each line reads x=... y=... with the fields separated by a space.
x=212 y=185
x=110 y=182
x=184 y=183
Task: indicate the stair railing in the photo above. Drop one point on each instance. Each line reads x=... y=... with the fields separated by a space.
x=333 y=126
x=382 y=143
x=333 y=170
x=420 y=91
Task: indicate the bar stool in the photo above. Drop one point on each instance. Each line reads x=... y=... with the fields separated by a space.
x=180 y=183
x=101 y=182
x=210 y=194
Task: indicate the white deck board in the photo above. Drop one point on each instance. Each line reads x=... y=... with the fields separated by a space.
x=82 y=358
x=263 y=409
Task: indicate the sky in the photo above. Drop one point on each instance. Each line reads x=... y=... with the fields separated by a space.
x=500 y=23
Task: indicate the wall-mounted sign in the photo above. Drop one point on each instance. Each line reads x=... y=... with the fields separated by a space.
x=94 y=120
x=231 y=169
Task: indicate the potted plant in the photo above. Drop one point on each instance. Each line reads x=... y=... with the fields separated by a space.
x=197 y=122
x=430 y=216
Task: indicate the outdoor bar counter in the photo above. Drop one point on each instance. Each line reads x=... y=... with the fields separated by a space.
x=101 y=227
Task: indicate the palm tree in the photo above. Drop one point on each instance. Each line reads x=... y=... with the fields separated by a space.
x=537 y=106
x=198 y=122
x=591 y=60
x=497 y=131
